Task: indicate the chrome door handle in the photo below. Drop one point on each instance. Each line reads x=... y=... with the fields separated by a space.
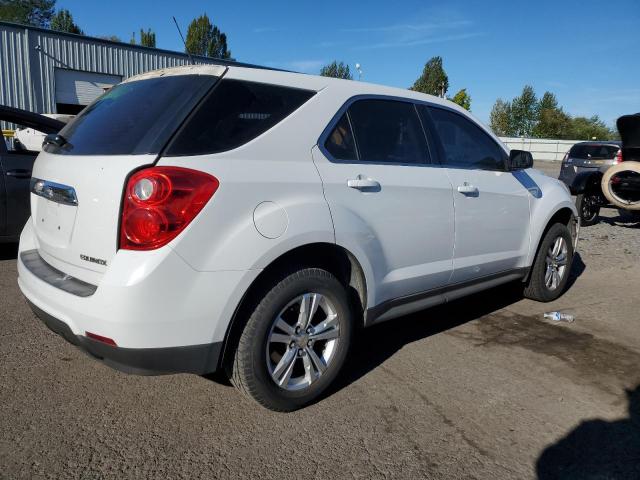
x=363 y=183
x=468 y=189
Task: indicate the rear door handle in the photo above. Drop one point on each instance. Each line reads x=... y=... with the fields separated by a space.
x=363 y=183
x=19 y=173
x=468 y=189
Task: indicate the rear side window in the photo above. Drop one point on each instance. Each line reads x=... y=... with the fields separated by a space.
x=600 y=152
x=465 y=144
x=388 y=131
x=340 y=143
x=233 y=114
x=133 y=118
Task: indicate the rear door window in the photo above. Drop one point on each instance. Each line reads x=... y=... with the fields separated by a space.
x=340 y=143
x=134 y=117
x=465 y=144
x=388 y=131
x=595 y=152
x=233 y=114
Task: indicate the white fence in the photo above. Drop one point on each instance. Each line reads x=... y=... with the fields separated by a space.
x=541 y=148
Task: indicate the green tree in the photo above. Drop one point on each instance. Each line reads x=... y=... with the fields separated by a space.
x=205 y=39
x=336 y=70
x=552 y=121
x=148 y=38
x=500 y=118
x=524 y=112
x=112 y=38
x=583 y=128
x=132 y=41
x=36 y=13
x=62 y=21
x=433 y=80
x=463 y=99
x=548 y=102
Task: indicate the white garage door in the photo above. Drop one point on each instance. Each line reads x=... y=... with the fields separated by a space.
x=74 y=87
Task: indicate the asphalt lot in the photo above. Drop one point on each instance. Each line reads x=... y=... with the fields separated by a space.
x=481 y=388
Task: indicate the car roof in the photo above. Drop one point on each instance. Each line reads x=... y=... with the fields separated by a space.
x=293 y=79
x=600 y=142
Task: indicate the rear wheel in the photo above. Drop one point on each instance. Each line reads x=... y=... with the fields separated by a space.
x=295 y=341
x=588 y=206
x=551 y=268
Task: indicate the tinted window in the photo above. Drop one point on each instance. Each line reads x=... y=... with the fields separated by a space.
x=590 y=151
x=233 y=114
x=388 y=131
x=465 y=144
x=133 y=118
x=340 y=142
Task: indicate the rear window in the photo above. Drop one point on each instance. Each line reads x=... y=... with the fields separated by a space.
x=233 y=114
x=602 y=152
x=133 y=118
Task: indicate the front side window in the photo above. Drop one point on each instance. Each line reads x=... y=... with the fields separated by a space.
x=465 y=144
x=234 y=113
x=388 y=131
x=135 y=117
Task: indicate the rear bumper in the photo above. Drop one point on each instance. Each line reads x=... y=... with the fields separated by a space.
x=198 y=359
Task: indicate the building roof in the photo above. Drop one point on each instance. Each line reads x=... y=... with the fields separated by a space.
x=160 y=51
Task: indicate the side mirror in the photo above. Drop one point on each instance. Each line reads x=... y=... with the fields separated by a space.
x=520 y=160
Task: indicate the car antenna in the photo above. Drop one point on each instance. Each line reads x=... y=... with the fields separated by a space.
x=183 y=42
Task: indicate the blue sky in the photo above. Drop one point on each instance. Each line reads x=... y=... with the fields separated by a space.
x=576 y=49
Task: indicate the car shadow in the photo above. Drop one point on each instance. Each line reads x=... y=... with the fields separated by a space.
x=597 y=448
x=577 y=268
x=375 y=345
x=622 y=220
x=8 y=251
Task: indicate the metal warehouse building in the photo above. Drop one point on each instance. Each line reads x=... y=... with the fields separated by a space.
x=45 y=71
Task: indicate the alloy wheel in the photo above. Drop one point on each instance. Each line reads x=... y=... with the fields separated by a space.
x=556 y=262
x=302 y=341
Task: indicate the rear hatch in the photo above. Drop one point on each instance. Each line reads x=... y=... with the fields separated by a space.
x=592 y=155
x=79 y=178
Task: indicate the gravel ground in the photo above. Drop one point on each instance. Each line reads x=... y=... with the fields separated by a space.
x=482 y=388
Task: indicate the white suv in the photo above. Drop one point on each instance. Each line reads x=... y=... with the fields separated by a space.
x=250 y=220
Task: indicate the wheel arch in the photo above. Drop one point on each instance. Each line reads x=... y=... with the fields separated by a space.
x=565 y=215
x=329 y=256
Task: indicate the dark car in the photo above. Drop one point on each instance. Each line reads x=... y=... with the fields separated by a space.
x=582 y=169
x=15 y=166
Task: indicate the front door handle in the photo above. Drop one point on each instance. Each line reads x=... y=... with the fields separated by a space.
x=19 y=173
x=468 y=189
x=363 y=183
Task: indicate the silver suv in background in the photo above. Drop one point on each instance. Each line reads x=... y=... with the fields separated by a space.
x=577 y=172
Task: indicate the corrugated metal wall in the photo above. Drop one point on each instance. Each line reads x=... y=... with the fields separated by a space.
x=29 y=57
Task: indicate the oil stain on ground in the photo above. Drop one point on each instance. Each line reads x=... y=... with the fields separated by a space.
x=591 y=360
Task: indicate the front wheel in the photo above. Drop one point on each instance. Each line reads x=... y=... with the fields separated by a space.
x=295 y=341
x=550 y=271
x=588 y=206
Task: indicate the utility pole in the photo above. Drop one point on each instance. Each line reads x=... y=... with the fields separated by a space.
x=359 y=69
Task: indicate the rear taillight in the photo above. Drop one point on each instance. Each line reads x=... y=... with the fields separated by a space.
x=159 y=202
x=619 y=156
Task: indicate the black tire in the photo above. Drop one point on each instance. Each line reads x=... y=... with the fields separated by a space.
x=588 y=208
x=249 y=370
x=536 y=287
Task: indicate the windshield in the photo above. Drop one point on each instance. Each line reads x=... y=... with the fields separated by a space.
x=134 y=117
